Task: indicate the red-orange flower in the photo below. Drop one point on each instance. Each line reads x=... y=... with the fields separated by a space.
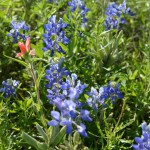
x=25 y=48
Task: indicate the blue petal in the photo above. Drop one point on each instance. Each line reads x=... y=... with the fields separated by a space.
x=53 y=123
x=69 y=129
x=74 y=76
x=85 y=115
x=55 y=115
x=65 y=122
x=144 y=125
x=64 y=86
x=81 y=130
x=136 y=147
x=146 y=137
x=72 y=114
x=138 y=140
x=68 y=124
x=73 y=93
x=53 y=19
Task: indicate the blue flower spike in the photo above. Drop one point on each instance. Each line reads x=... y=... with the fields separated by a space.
x=143 y=142
x=54 y=35
x=115 y=14
x=111 y=91
x=74 y=4
x=9 y=88
x=15 y=32
x=64 y=91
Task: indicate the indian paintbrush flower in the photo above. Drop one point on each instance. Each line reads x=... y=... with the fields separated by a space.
x=25 y=48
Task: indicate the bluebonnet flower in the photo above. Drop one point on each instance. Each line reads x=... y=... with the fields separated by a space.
x=115 y=14
x=81 y=129
x=143 y=143
x=15 y=32
x=9 y=87
x=111 y=91
x=54 y=35
x=64 y=91
x=55 y=73
x=74 y=4
x=53 y=1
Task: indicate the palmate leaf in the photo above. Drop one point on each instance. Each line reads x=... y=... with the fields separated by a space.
x=53 y=131
x=76 y=138
x=42 y=146
x=56 y=136
x=56 y=139
x=30 y=140
x=42 y=132
x=33 y=142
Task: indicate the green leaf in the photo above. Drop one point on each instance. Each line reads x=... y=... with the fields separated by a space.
x=122 y=126
x=30 y=140
x=40 y=59
x=63 y=147
x=57 y=139
x=76 y=138
x=64 y=47
x=42 y=132
x=126 y=141
x=65 y=18
x=41 y=72
x=54 y=130
x=29 y=101
x=134 y=75
x=12 y=111
x=42 y=146
x=19 y=61
x=38 y=48
x=38 y=107
x=40 y=75
x=105 y=32
x=39 y=53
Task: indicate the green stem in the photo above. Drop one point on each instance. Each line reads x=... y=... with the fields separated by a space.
x=39 y=102
x=122 y=110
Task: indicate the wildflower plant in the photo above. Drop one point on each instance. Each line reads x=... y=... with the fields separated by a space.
x=58 y=113
x=17 y=31
x=44 y=131
x=143 y=142
x=54 y=1
x=55 y=35
x=25 y=48
x=115 y=15
x=65 y=96
x=9 y=88
x=111 y=91
x=79 y=7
